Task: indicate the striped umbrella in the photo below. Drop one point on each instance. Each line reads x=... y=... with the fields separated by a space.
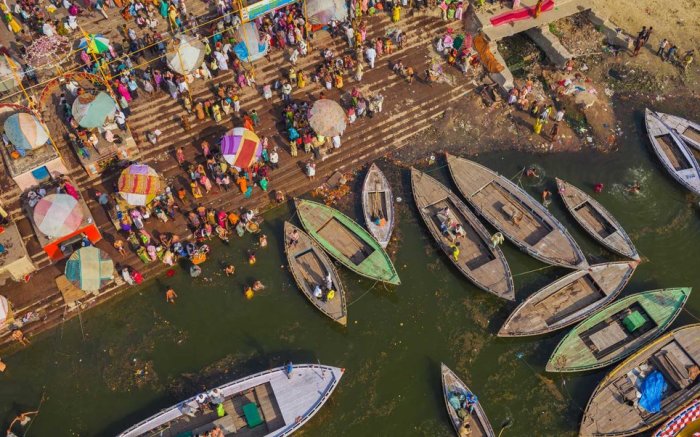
x=89 y=268
x=327 y=118
x=241 y=147
x=57 y=215
x=186 y=54
x=25 y=131
x=91 y=111
x=138 y=184
x=94 y=43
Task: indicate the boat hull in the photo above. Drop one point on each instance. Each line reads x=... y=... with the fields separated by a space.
x=346 y=241
x=596 y=220
x=309 y=265
x=521 y=219
x=378 y=204
x=596 y=342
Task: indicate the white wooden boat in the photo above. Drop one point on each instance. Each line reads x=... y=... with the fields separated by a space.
x=310 y=266
x=511 y=210
x=480 y=262
x=568 y=299
x=596 y=220
x=378 y=205
x=270 y=403
x=674 y=155
x=476 y=421
x=688 y=130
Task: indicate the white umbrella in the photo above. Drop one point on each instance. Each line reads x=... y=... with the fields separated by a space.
x=186 y=54
x=4 y=309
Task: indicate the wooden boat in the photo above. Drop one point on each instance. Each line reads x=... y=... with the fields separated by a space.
x=270 y=403
x=482 y=264
x=614 y=407
x=568 y=300
x=596 y=220
x=522 y=219
x=673 y=153
x=378 y=205
x=616 y=331
x=345 y=240
x=688 y=130
x=686 y=423
x=478 y=422
x=310 y=266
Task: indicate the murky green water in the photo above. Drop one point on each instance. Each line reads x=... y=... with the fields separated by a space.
x=395 y=341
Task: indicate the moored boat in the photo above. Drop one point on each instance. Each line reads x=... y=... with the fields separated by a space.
x=511 y=210
x=463 y=407
x=654 y=383
x=685 y=423
x=450 y=222
x=596 y=220
x=674 y=155
x=687 y=129
x=568 y=299
x=345 y=240
x=618 y=330
x=378 y=205
x=314 y=274
x=275 y=402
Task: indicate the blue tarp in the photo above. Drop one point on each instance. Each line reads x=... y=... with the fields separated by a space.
x=652 y=389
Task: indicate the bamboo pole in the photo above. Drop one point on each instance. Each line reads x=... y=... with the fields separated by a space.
x=12 y=65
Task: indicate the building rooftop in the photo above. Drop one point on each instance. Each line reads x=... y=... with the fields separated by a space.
x=11 y=239
x=499 y=20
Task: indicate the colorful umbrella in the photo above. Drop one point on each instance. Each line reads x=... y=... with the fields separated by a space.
x=91 y=111
x=138 y=184
x=9 y=72
x=94 y=43
x=57 y=215
x=241 y=147
x=89 y=268
x=5 y=310
x=327 y=118
x=186 y=54
x=25 y=131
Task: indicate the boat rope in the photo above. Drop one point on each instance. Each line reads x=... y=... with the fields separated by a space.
x=568 y=394
x=363 y=294
x=533 y=271
x=691 y=314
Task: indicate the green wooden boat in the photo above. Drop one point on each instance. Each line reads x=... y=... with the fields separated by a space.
x=346 y=241
x=618 y=330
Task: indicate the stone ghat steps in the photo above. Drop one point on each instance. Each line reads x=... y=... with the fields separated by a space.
x=172 y=130
x=392 y=138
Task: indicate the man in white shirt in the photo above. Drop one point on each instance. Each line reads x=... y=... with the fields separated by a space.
x=274 y=158
x=336 y=141
x=371 y=55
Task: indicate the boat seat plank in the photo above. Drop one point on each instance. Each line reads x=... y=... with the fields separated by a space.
x=270 y=411
x=692 y=133
x=674 y=155
x=345 y=241
x=608 y=337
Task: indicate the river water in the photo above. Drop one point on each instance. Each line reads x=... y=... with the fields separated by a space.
x=129 y=358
